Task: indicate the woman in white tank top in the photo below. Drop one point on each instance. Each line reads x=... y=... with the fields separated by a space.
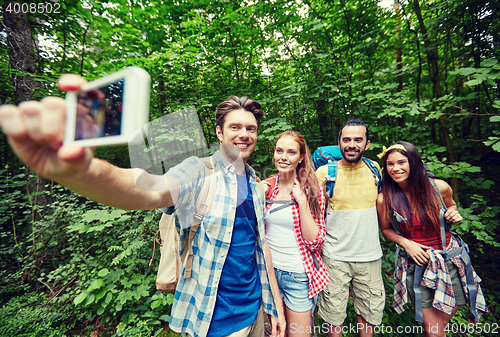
x=295 y=230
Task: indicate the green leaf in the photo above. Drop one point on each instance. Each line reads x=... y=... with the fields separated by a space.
x=494 y=119
x=94 y=214
x=107 y=299
x=155 y=304
x=465 y=225
x=141 y=308
x=98 y=283
x=165 y=318
x=466 y=71
x=87 y=14
x=103 y=272
x=496 y=146
x=491 y=141
x=474 y=82
x=79 y=299
x=451 y=78
x=81 y=227
x=101 y=294
x=489 y=62
x=89 y=299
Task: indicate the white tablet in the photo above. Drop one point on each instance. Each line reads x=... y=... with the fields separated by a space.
x=108 y=110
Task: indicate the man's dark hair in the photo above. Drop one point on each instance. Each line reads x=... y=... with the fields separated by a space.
x=235 y=103
x=354 y=122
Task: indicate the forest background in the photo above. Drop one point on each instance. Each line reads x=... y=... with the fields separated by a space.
x=422 y=71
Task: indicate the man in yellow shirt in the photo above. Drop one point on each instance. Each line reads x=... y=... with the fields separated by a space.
x=351 y=250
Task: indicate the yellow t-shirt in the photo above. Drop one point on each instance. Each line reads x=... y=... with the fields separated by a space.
x=352 y=231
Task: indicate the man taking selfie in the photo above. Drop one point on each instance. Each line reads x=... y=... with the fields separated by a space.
x=229 y=286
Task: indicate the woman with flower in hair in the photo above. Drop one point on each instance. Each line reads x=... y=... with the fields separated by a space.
x=413 y=202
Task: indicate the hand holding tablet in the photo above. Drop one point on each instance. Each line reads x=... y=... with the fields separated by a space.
x=108 y=110
x=45 y=136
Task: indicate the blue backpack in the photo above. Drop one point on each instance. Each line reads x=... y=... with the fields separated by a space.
x=330 y=155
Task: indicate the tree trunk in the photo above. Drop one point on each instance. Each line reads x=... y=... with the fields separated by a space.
x=399 y=55
x=23 y=59
x=21 y=50
x=432 y=60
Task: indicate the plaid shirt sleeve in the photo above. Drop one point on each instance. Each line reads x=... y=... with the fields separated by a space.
x=317 y=243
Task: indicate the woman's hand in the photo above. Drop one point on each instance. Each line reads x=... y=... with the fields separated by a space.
x=417 y=251
x=453 y=216
x=297 y=192
x=266 y=186
x=278 y=326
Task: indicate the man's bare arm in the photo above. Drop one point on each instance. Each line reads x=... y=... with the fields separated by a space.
x=35 y=131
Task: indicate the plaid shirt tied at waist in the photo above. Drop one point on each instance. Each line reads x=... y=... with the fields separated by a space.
x=436 y=276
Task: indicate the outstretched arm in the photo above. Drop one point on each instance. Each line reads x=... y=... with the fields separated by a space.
x=35 y=131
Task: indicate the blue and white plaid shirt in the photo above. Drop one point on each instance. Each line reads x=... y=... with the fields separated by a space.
x=194 y=299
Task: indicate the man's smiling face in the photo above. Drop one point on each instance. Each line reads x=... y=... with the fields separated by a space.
x=239 y=134
x=353 y=144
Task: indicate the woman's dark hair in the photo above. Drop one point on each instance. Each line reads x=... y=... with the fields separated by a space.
x=309 y=184
x=423 y=203
x=235 y=103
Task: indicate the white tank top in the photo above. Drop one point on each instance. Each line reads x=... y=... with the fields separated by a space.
x=281 y=239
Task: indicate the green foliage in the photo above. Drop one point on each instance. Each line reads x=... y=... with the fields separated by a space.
x=494 y=141
x=312 y=65
x=98 y=262
x=25 y=316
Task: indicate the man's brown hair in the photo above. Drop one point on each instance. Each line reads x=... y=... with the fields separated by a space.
x=235 y=103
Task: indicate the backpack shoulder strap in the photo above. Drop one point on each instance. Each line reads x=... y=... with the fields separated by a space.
x=203 y=204
x=204 y=200
x=375 y=172
x=282 y=203
x=443 y=205
x=443 y=224
x=331 y=177
x=396 y=218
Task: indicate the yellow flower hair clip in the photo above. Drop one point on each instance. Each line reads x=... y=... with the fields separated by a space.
x=386 y=149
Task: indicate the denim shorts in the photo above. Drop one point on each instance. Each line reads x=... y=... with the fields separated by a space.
x=294 y=288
